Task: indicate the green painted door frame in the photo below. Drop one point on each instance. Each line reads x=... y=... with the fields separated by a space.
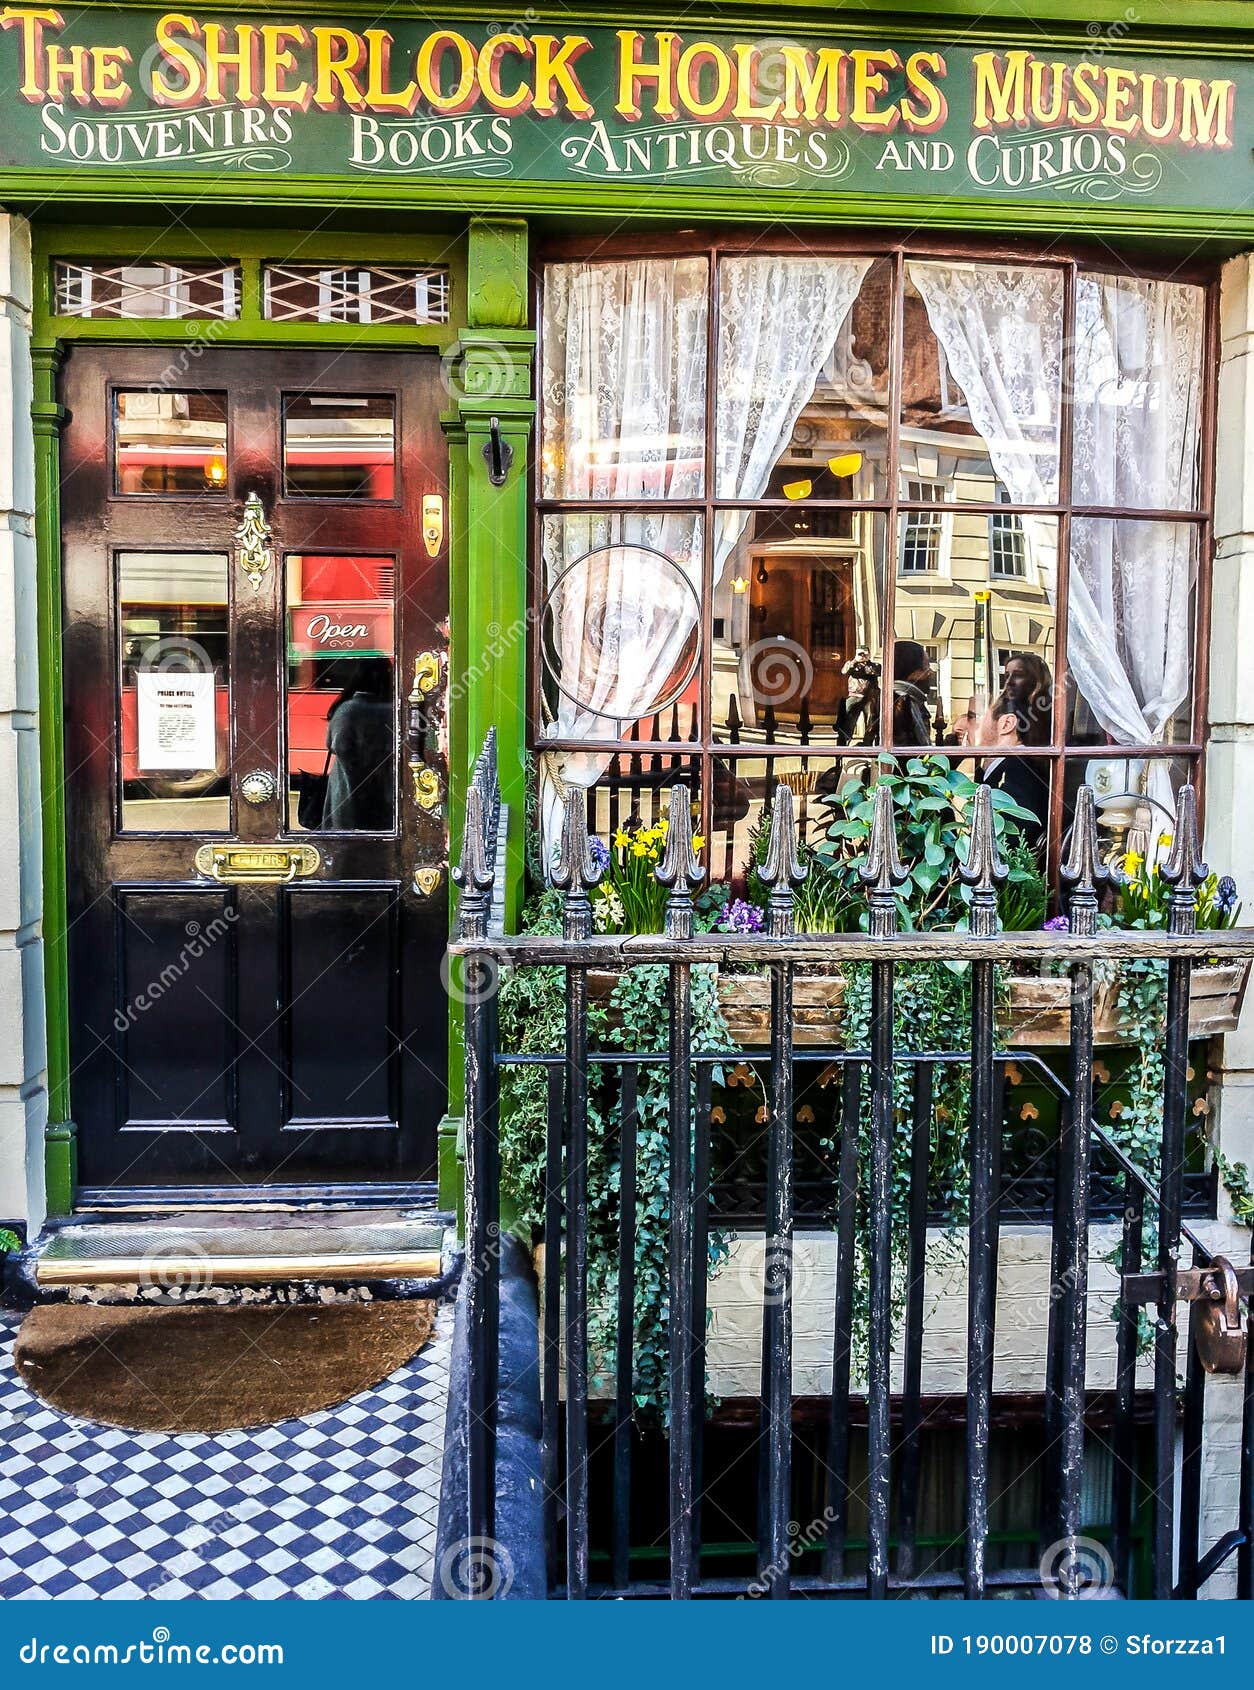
x=486 y=348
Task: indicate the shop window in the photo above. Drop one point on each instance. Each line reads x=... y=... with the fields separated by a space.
x=166 y=443
x=376 y=294
x=802 y=607
x=145 y=289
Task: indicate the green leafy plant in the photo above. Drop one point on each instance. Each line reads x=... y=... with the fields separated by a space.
x=931 y=799
x=1143 y=902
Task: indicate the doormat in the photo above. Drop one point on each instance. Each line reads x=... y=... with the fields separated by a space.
x=212 y=1369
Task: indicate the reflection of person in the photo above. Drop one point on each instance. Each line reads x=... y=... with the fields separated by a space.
x=912 y=671
x=1029 y=686
x=862 y=705
x=963 y=732
x=361 y=734
x=1024 y=779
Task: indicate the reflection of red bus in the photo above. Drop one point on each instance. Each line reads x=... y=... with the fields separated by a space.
x=339 y=613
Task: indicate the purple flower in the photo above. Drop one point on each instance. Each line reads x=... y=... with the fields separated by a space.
x=1057 y=924
x=1226 y=895
x=600 y=854
x=740 y=917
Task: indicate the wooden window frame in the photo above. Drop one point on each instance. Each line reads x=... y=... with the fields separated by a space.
x=704 y=751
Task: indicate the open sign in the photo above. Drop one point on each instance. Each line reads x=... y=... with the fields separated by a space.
x=362 y=630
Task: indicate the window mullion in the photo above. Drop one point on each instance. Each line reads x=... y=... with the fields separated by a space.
x=892 y=539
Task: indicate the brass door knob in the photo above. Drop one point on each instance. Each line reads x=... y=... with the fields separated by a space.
x=258 y=786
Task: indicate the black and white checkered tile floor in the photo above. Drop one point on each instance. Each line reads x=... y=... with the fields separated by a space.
x=340 y=1505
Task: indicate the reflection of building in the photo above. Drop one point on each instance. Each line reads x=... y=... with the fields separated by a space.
x=799 y=584
x=947 y=559
x=808 y=582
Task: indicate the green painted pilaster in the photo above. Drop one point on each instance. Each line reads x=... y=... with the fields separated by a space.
x=59 y=1154
x=488 y=623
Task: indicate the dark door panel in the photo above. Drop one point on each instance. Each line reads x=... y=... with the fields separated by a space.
x=302 y=1035
x=343 y=1033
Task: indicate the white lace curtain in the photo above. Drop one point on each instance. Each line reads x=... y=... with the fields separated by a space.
x=623 y=387
x=1137 y=392
x=1136 y=373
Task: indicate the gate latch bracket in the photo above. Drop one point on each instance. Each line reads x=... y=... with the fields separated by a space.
x=1220 y=1326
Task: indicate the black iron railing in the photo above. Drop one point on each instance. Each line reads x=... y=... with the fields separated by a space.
x=894 y=1428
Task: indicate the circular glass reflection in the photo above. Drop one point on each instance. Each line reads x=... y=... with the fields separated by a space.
x=621 y=632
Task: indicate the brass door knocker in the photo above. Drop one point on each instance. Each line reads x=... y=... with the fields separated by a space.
x=252 y=540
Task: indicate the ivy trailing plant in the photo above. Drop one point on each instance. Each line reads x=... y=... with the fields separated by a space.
x=532 y=1006
x=1142 y=903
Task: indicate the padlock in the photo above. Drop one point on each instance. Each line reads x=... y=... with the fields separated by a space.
x=1220 y=1329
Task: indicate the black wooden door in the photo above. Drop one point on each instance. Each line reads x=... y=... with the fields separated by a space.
x=250 y=589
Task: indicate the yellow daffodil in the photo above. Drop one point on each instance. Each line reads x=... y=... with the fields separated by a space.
x=621 y=840
x=1132 y=861
x=1164 y=839
x=662 y=826
x=639 y=848
x=698 y=841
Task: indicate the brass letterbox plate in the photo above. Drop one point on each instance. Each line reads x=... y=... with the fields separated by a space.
x=258 y=864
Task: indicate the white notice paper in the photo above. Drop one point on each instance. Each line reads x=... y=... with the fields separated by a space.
x=176 y=721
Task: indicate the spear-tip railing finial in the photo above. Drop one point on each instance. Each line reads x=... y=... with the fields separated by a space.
x=575 y=873
x=983 y=871
x=883 y=871
x=1184 y=871
x=1083 y=870
x=475 y=870
x=680 y=868
x=782 y=869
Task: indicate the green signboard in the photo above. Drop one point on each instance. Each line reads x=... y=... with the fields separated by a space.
x=193 y=95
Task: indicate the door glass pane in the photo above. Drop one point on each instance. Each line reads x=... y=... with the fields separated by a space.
x=175 y=691
x=341 y=693
x=339 y=446
x=169 y=442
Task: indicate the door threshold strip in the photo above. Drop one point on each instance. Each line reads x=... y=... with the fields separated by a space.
x=288 y=1195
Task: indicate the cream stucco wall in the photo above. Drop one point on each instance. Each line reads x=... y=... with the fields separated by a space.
x=23 y=1093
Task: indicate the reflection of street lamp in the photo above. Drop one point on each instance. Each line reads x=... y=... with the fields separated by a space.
x=739 y=584
x=983 y=640
x=215 y=471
